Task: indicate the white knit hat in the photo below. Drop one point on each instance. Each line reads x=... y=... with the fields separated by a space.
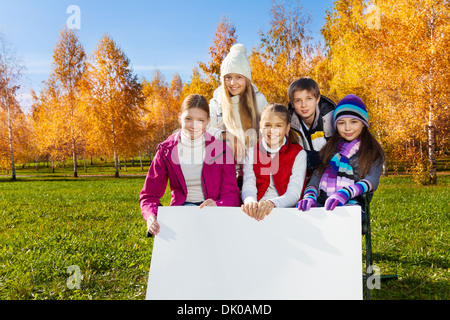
x=236 y=61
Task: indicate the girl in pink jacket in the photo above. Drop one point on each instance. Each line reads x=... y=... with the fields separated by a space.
x=201 y=169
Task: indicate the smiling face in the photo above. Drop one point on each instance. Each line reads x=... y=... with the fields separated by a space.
x=273 y=129
x=349 y=128
x=193 y=122
x=235 y=83
x=305 y=105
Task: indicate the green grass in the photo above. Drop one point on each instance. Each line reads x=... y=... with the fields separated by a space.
x=48 y=223
x=410 y=225
x=98 y=167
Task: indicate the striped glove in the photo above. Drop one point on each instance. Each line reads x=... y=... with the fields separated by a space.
x=342 y=196
x=309 y=199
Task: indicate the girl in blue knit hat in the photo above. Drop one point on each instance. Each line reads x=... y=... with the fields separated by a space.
x=352 y=161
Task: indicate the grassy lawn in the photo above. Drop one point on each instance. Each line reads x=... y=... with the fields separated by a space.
x=410 y=225
x=50 y=222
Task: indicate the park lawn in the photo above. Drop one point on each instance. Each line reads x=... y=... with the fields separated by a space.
x=410 y=225
x=49 y=223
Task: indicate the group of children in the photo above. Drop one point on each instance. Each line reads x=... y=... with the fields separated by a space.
x=239 y=150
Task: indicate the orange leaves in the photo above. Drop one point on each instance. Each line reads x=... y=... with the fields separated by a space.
x=396 y=56
x=285 y=52
x=224 y=38
x=112 y=98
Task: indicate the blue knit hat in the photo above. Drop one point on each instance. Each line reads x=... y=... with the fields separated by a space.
x=353 y=107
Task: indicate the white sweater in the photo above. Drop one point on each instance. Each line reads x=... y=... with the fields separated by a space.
x=295 y=186
x=192 y=154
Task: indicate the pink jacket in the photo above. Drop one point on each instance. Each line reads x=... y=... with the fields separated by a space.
x=218 y=176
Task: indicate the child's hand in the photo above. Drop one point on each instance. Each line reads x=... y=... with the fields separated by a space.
x=264 y=208
x=337 y=198
x=208 y=203
x=251 y=209
x=258 y=210
x=152 y=225
x=306 y=204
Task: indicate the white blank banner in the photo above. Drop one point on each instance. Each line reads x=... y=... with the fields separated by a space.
x=219 y=253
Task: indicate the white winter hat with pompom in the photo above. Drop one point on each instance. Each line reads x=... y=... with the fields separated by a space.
x=236 y=62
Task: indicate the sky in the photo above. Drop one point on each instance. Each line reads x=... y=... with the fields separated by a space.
x=172 y=35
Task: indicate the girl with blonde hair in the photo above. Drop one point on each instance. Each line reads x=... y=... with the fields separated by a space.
x=236 y=106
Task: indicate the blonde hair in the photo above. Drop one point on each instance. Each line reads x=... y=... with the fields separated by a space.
x=247 y=111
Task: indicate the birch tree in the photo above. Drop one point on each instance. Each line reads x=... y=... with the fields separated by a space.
x=112 y=98
x=68 y=67
x=11 y=73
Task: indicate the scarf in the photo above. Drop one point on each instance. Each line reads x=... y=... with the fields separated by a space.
x=339 y=172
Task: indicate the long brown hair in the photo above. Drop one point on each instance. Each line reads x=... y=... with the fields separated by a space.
x=284 y=114
x=369 y=152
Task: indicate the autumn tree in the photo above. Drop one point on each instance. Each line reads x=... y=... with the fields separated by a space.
x=11 y=72
x=206 y=77
x=112 y=99
x=224 y=37
x=417 y=58
x=285 y=52
x=48 y=119
x=162 y=104
x=68 y=67
x=198 y=84
x=395 y=55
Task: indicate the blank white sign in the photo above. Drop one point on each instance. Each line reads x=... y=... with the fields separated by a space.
x=219 y=253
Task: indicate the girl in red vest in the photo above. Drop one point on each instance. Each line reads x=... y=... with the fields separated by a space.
x=275 y=168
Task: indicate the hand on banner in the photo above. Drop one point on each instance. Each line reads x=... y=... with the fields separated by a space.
x=258 y=210
x=250 y=208
x=153 y=225
x=208 y=203
x=306 y=204
x=264 y=208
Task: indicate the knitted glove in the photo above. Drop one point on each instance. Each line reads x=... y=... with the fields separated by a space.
x=309 y=199
x=342 y=196
x=338 y=198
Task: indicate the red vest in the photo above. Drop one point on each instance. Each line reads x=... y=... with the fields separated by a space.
x=280 y=167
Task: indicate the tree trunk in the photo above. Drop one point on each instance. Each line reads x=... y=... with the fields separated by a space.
x=11 y=150
x=10 y=138
x=75 y=167
x=116 y=164
x=431 y=142
x=116 y=159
